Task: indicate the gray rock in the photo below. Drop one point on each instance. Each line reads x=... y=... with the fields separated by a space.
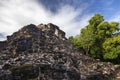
x=43 y=53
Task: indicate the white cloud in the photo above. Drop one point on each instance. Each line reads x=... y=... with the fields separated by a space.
x=15 y=14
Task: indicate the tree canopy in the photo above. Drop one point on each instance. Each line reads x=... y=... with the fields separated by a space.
x=98 y=38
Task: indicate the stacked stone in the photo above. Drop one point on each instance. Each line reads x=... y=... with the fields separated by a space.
x=43 y=53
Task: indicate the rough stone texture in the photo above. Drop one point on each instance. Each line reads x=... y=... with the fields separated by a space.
x=43 y=53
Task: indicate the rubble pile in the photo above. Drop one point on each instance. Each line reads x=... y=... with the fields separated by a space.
x=43 y=53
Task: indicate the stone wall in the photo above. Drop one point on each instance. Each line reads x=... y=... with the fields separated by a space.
x=43 y=53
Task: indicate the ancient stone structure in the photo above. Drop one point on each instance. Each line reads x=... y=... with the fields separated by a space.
x=43 y=53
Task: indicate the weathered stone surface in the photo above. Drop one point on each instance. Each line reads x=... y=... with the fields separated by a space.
x=43 y=53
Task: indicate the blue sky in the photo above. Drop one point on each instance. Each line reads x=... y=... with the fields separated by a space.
x=107 y=8
x=69 y=15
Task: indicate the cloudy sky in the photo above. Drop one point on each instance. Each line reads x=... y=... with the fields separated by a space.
x=69 y=15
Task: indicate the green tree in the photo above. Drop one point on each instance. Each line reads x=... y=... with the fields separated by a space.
x=95 y=34
x=112 y=48
x=86 y=39
x=75 y=40
x=88 y=36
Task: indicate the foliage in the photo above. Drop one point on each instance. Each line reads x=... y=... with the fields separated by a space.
x=97 y=37
x=112 y=47
x=75 y=40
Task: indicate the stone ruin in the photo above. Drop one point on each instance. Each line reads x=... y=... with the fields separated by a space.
x=43 y=53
